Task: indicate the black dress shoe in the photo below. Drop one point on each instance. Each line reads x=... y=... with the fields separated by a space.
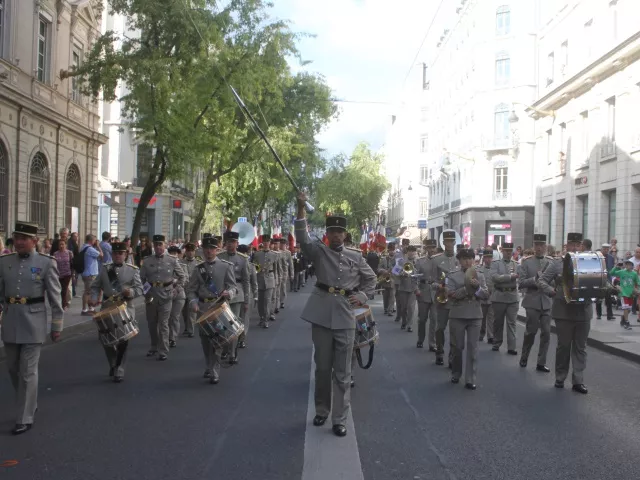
x=151 y=353
x=21 y=428
x=214 y=380
x=409 y=329
x=272 y=318
x=558 y=384
x=543 y=368
x=402 y=327
x=432 y=349
x=224 y=355
x=439 y=361
x=470 y=386
x=172 y=344
x=190 y=335
x=580 y=388
x=489 y=340
x=455 y=380
x=353 y=382
x=112 y=371
x=242 y=345
x=233 y=360
x=512 y=352
x=118 y=379
x=282 y=306
x=523 y=363
x=496 y=348
x=339 y=430
x=277 y=310
x=419 y=345
x=319 y=420
x=206 y=374
x=162 y=357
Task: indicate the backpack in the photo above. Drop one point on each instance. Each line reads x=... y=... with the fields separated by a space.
x=78 y=261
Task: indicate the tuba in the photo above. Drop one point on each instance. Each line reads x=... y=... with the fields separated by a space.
x=442 y=290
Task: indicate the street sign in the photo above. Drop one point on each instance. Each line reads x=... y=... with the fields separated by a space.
x=242 y=219
x=422 y=224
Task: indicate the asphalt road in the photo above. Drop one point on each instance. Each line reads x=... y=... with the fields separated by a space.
x=166 y=422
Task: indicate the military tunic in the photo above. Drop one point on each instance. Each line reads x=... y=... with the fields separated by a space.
x=275 y=295
x=398 y=258
x=240 y=303
x=203 y=291
x=112 y=280
x=388 y=288
x=537 y=305
x=445 y=264
x=333 y=320
x=426 y=266
x=268 y=262
x=465 y=315
x=24 y=325
x=287 y=269
x=487 y=309
x=188 y=315
x=504 y=301
x=407 y=287
x=160 y=273
x=177 y=305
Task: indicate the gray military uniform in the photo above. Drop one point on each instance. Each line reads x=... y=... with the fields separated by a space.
x=538 y=307
x=445 y=265
x=161 y=273
x=188 y=315
x=465 y=316
x=220 y=273
x=279 y=274
x=268 y=262
x=426 y=300
x=504 y=301
x=388 y=288
x=407 y=287
x=487 y=309
x=573 y=322
x=333 y=320
x=24 y=326
x=398 y=258
x=246 y=315
x=123 y=276
x=287 y=274
x=177 y=304
x=240 y=263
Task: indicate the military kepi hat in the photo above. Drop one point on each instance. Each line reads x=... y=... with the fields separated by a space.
x=174 y=249
x=209 y=242
x=539 y=238
x=158 y=238
x=283 y=240
x=466 y=253
x=265 y=238
x=119 y=247
x=25 y=228
x=189 y=246
x=449 y=235
x=487 y=252
x=335 y=221
x=231 y=235
x=574 y=237
x=507 y=246
x=430 y=242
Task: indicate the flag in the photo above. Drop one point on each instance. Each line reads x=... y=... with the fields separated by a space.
x=371 y=238
x=363 y=238
x=381 y=240
x=257 y=232
x=325 y=239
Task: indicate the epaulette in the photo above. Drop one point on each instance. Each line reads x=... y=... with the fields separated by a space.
x=46 y=255
x=243 y=255
x=549 y=257
x=527 y=257
x=436 y=255
x=198 y=258
x=132 y=266
x=230 y=263
x=353 y=249
x=8 y=254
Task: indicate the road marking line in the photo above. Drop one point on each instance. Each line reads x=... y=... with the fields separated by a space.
x=325 y=455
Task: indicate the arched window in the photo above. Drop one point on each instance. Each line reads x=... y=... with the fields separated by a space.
x=72 y=198
x=503 y=20
x=39 y=192
x=4 y=189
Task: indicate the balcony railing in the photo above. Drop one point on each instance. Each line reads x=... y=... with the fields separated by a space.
x=497 y=143
x=501 y=196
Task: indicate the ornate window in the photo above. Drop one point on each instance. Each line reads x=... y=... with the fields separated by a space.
x=72 y=198
x=4 y=189
x=39 y=192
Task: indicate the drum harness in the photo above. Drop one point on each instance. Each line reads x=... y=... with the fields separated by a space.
x=118 y=299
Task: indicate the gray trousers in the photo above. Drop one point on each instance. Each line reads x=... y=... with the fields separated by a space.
x=502 y=312
x=572 y=346
x=396 y=301
x=388 y=298
x=283 y=290
x=211 y=360
x=470 y=327
x=427 y=313
x=537 y=319
x=158 y=320
x=298 y=280
x=245 y=316
x=177 y=305
x=189 y=318
x=487 y=321
x=117 y=357
x=406 y=307
x=22 y=361
x=275 y=299
x=333 y=357
x=443 y=319
x=265 y=303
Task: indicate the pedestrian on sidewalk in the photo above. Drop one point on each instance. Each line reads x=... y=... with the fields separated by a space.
x=64 y=258
x=74 y=248
x=92 y=253
x=608 y=301
x=629 y=282
x=25 y=278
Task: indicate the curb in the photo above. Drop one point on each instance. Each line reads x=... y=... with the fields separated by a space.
x=597 y=344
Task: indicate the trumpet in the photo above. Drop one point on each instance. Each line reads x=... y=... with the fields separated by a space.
x=408 y=268
x=384 y=278
x=258 y=267
x=442 y=290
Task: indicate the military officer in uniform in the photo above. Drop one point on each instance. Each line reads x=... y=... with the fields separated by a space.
x=465 y=315
x=120 y=283
x=344 y=281
x=189 y=263
x=275 y=297
x=398 y=259
x=446 y=263
x=240 y=303
x=407 y=287
x=25 y=277
x=426 y=266
x=385 y=266
x=159 y=273
x=266 y=263
x=287 y=269
x=504 y=299
x=487 y=310
x=200 y=250
x=212 y=279
x=536 y=303
x=392 y=253
x=299 y=267
x=253 y=282
x=573 y=321
x=179 y=298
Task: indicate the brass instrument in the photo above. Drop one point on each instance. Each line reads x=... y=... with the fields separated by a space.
x=408 y=268
x=442 y=290
x=470 y=274
x=384 y=278
x=258 y=267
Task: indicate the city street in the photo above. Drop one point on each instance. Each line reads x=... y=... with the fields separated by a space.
x=409 y=422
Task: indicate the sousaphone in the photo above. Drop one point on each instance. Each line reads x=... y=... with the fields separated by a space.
x=246 y=232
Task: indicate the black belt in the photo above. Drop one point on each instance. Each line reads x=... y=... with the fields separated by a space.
x=208 y=300
x=25 y=300
x=338 y=290
x=506 y=289
x=161 y=284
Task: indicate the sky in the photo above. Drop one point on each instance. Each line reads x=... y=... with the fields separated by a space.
x=364 y=49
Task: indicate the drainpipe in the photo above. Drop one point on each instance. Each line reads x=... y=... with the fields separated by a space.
x=17 y=172
x=55 y=203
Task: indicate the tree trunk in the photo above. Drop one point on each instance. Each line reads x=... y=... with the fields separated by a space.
x=149 y=190
x=204 y=200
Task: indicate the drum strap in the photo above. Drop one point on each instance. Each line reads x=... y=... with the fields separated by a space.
x=113 y=278
x=206 y=277
x=370 y=361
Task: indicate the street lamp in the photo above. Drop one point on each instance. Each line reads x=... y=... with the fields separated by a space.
x=410 y=187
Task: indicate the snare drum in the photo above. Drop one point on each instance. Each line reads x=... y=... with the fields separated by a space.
x=584 y=276
x=366 y=332
x=115 y=325
x=220 y=325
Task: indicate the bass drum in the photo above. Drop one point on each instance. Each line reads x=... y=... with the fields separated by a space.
x=584 y=276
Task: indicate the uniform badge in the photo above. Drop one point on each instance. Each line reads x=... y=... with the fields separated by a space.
x=35 y=273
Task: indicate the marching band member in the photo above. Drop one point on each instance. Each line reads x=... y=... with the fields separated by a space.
x=253 y=280
x=159 y=273
x=446 y=263
x=266 y=263
x=299 y=268
x=179 y=298
x=212 y=279
x=398 y=257
x=487 y=310
x=407 y=288
x=120 y=282
x=344 y=281
x=426 y=295
x=504 y=299
x=287 y=269
x=465 y=316
x=275 y=297
x=387 y=262
x=536 y=303
x=189 y=263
